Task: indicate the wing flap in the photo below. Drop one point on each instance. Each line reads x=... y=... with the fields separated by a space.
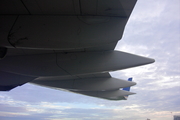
x=84 y=83
x=110 y=95
x=100 y=85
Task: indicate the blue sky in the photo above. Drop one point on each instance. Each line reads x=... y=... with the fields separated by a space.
x=153 y=30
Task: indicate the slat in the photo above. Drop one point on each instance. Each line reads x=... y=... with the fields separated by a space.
x=110 y=95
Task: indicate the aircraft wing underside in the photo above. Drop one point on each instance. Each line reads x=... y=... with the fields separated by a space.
x=67 y=45
x=63 y=24
x=100 y=85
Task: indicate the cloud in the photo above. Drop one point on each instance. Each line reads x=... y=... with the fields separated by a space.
x=53 y=111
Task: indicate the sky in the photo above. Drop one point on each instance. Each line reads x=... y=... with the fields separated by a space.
x=153 y=30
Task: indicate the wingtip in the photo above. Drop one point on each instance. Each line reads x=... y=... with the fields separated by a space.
x=152 y=60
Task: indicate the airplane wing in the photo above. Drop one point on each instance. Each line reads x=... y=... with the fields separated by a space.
x=63 y=24
x=66 y=44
